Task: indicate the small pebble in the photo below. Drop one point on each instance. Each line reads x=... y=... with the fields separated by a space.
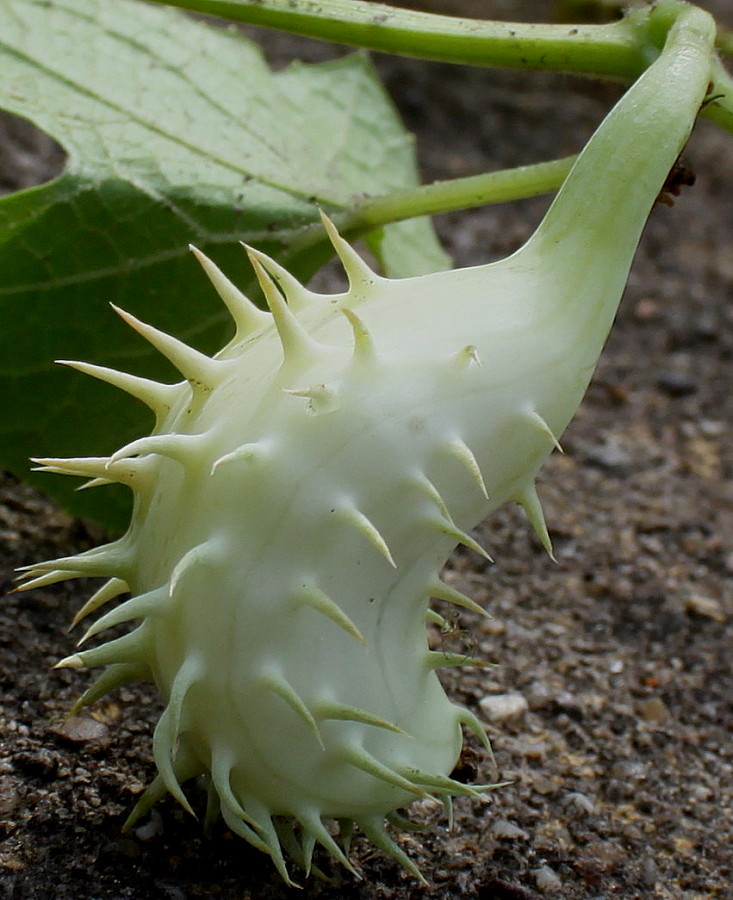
x=151 y=828
x=610 y=456
x=597 y=860
x=712 y=428
x=508 y=831
x=701 y=792
x=649 y=872
x=544 y=785
x=647 y=310
x=10 y=797
x=534 y=750
x=499 y=707
x=676 y=384
x=494 y=627
x=709 y=607
x=539 y=695
x=653 y=709
x=568 y=702
x=547 y=880
x=82 y=730
x=629 y=770
x=579 y=803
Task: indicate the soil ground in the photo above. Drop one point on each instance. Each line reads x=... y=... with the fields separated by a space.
x=620 y=752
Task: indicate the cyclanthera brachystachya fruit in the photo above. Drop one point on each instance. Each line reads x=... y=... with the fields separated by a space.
x=302 y=489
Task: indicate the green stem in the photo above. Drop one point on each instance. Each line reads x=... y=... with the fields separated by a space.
x=619 y=50
x=611 y=50
x=458 y=193
x=724 y=42
x=720 y=110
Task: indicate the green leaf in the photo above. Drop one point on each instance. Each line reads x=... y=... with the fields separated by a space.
x=176 y=133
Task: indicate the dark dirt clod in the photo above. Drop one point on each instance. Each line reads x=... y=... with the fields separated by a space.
x=621 y=762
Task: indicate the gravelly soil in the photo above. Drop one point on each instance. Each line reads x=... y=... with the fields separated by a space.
x=618 y=655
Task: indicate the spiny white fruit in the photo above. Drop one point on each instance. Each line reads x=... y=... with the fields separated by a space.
x=302 y=489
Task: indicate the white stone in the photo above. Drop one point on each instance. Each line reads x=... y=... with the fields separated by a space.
x=499 y=707
x=547 y=880
x=508 y=831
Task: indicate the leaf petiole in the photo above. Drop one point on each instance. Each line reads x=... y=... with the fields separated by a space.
x=516 y=183
x=610 y=50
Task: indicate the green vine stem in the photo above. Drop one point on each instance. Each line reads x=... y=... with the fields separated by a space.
x=725 y=41
x=368 y=213
x=619 y=51
x=611 y=50
x=720 y=109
